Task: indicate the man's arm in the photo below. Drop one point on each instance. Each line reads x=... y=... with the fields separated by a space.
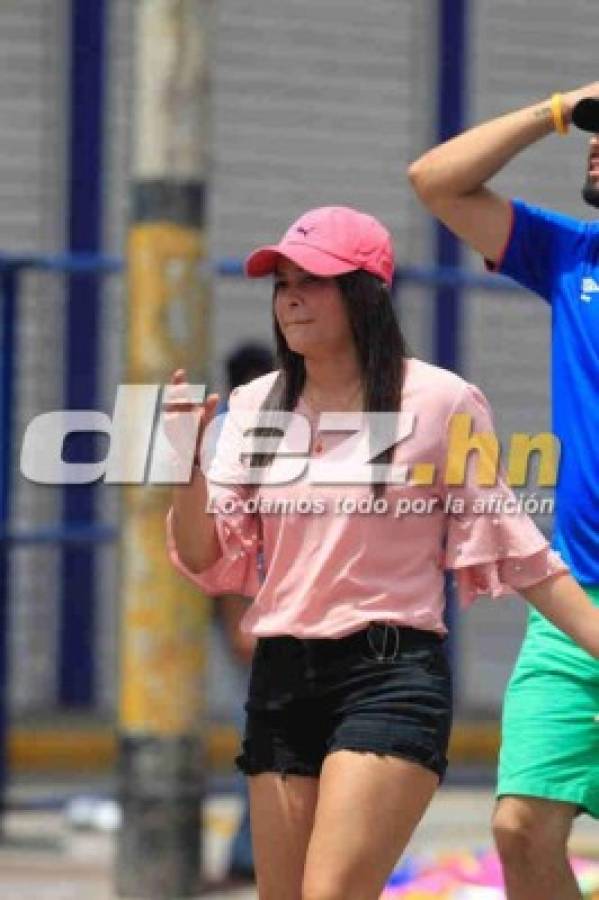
x=451 y=179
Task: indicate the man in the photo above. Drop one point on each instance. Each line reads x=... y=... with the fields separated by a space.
x=549 y=761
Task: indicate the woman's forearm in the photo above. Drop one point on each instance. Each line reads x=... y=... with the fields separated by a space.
x=561 y=600
x=194 y=530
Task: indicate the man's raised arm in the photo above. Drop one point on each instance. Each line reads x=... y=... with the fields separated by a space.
x=451 y=179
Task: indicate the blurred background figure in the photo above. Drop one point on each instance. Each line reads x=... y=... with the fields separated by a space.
x=231 y=650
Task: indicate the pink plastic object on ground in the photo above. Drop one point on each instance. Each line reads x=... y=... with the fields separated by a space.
x=464 y=876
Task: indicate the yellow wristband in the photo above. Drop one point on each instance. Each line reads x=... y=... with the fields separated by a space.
x=557 y=111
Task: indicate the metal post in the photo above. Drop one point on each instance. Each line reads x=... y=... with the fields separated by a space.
x=78 y=597
x=450 y=121
x=451 y=84
x=8 y=299
x=163 y=624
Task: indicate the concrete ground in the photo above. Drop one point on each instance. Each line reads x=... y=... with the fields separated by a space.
x=42 y=857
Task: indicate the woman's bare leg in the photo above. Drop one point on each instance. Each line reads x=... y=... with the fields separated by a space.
x=282 y=815
x=368 y=807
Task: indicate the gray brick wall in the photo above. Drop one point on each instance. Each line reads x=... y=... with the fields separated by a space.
x=316 y=103
x=32 y=84
x=32 y=136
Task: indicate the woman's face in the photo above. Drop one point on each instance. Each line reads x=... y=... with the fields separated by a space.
x=310 y=311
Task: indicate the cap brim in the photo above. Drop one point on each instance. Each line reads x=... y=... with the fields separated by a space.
x=264 y=260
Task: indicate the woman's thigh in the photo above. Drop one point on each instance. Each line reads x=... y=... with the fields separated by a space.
x=282 y=815
x=368 y=807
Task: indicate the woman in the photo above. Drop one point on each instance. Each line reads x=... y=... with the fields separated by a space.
x=349 y=706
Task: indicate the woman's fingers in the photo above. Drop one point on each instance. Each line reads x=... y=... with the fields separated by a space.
x=178 y=395
x=185 y=417
x=211 y=405
x=207 y=411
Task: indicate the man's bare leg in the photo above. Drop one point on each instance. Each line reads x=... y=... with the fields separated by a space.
x=531 y=836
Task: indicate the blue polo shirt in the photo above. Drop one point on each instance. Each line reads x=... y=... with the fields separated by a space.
x=558 y=258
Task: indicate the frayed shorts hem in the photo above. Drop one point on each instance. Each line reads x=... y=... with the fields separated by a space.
x=251 y=766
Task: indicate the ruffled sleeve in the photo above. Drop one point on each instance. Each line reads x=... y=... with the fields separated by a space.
x=493 y=548
x=237 y=526
x=236 y=571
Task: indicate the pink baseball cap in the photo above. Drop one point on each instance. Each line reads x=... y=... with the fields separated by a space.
x=328 y=241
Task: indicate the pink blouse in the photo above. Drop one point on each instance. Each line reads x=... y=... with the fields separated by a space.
x=328 y=570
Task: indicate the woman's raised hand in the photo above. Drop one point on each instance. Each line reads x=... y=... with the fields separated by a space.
x=186 y=417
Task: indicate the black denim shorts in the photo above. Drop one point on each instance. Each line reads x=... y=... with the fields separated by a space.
x=384 y=689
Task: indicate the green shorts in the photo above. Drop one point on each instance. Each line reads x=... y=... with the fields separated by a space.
x=550 y=726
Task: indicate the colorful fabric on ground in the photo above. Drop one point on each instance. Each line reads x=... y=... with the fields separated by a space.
x=468 y=876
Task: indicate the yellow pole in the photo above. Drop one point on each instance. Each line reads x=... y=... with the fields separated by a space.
x=163 y=619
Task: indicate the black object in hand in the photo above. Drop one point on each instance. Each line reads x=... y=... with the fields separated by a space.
x=585 y=116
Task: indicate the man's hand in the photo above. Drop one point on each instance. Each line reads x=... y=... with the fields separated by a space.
x=571 y=98
x=560 y=599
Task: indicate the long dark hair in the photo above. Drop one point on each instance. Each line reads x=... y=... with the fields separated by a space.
x=381 y=349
